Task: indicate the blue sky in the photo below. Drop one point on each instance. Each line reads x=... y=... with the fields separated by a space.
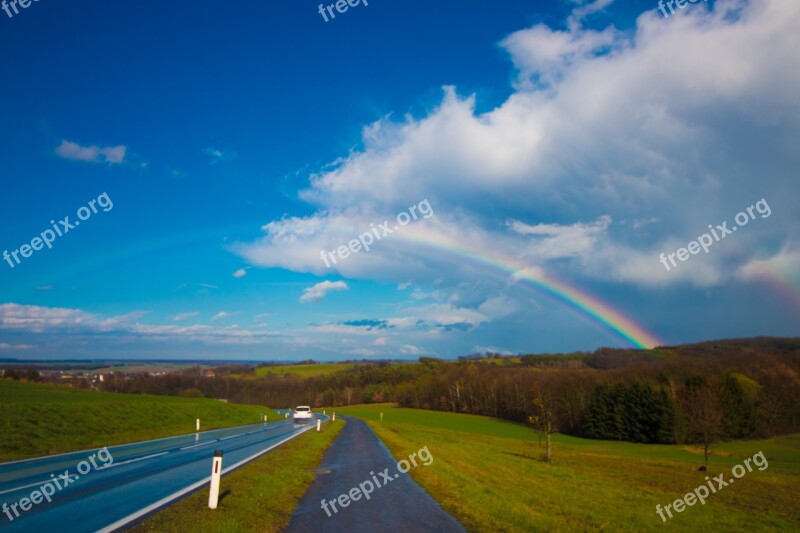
x=236 y=141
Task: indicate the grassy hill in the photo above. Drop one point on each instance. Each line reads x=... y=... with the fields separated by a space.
x=488 y=474
x=41 y=419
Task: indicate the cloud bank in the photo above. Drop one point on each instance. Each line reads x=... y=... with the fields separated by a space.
x=604 y=130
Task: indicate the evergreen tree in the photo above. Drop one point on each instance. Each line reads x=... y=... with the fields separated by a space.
x=634 y=412
x=598 y=420
x=738 y=410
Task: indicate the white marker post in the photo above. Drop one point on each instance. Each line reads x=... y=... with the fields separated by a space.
x=197 y=425
x=334 y=417
x=381 y=417
x=319 y=423
x=216 y=472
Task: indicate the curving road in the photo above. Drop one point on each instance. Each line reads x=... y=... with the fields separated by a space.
x=138 y=478
x=398 y=505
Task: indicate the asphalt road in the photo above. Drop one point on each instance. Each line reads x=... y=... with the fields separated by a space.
x=139 y=478
x=399 y=505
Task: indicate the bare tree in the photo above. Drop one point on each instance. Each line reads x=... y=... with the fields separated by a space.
x=701 y=405
x=348 y=394
x=544 y=418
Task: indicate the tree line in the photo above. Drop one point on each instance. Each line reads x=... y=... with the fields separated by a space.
x=696 y=393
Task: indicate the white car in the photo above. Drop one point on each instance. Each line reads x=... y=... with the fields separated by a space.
x=302 y=414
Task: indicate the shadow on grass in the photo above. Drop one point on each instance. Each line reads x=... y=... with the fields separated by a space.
x=534 y=457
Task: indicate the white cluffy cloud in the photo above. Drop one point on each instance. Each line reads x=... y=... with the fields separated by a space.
x=180 y=317
x=59 y=321
x=320 y=290
x=93 y=154
x=556 y=240
x=785 y=264
x=12 y=347
x=217 y=156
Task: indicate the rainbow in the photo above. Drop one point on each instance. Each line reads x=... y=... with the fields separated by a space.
x=432 y=243
x=782 y=278
x=586 y=305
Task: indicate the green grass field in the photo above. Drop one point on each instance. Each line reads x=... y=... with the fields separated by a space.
x=259 y=497
x=489 y=475
x=304 y=371
x=506 y=361
x=43 y=419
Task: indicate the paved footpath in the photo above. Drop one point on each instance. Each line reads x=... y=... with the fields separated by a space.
x=401 y=505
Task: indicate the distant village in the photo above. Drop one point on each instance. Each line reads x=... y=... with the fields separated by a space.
x=79 y=376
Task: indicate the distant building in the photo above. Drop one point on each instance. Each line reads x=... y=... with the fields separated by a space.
x=210 y=374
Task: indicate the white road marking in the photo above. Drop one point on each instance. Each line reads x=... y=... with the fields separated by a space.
x=112 y=465
x=39 y=483
x=198 y=445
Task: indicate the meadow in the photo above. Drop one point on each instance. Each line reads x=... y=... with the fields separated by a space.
x=303 y=371
x=489 y=475
x=44 y=419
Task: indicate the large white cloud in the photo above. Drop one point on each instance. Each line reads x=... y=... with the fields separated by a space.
x=683 y=122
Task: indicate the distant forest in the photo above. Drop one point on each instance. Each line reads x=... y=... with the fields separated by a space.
x=699 y=393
